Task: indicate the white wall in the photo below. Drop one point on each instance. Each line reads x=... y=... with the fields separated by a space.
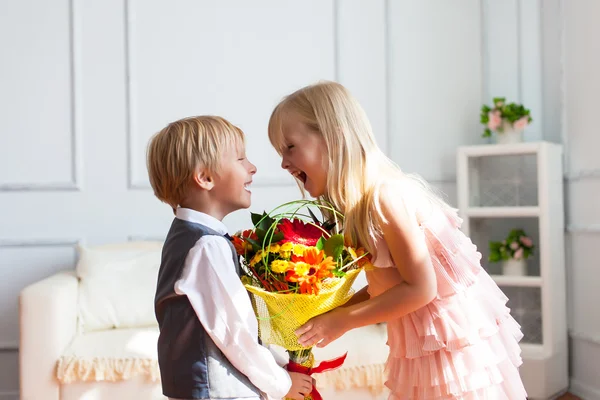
x=582 y=141
x=85 y=83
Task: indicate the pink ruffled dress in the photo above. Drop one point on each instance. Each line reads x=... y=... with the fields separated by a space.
x=462 y=345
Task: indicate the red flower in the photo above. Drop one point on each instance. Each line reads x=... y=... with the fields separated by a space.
x=297 y=231
x=249 y=233
x=241 y=244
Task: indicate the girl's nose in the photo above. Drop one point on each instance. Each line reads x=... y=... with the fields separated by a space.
x=284 y=163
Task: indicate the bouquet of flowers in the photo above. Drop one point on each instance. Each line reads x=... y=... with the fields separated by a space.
x=297 y=267
x=502 y=117
x=516 y=246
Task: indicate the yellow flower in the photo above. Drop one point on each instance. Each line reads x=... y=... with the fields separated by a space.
x=352 y=253
x=279 y=266
x=299 y=249
x=301 y=268
x=274 y=248
x=288 y=246
x=285 y=254
x=256 y=259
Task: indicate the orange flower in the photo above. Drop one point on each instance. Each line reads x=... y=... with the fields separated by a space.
x=309 y=270
x=240 y=243
x=358 y=254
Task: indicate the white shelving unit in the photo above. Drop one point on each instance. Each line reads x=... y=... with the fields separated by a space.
x=501 y=187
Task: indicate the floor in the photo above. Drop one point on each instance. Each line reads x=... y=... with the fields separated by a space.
x=568 y=396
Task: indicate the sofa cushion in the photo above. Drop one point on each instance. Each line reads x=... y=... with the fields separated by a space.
x=125 y=354
x=117 y=285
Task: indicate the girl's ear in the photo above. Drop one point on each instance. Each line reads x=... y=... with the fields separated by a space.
x=204 y=180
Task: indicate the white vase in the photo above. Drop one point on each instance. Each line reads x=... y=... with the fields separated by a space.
x=514 y=267
x=509 y=134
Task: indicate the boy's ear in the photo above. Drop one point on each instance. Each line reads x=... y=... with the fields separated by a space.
x=204 y=180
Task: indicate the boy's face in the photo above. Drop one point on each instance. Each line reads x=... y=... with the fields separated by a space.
x=232 y=184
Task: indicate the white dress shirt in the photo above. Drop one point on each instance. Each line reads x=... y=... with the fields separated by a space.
x=221 y=302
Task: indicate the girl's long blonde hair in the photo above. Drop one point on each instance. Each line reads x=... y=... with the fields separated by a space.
x=357 y=166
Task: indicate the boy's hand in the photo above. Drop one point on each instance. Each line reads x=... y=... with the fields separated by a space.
x=301 y=386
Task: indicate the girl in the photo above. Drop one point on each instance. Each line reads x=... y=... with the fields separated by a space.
x=449 y=331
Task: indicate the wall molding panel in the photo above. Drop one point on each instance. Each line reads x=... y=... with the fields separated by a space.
x=75 y=182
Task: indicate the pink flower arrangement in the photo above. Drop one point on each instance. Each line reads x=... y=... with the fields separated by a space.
x=526 y=241
x=518 y=254
x=504 y=116
x=521 y=123
x=516 y=246
x=495 y=120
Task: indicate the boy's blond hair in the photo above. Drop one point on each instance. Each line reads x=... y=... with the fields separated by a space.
x=183 y=148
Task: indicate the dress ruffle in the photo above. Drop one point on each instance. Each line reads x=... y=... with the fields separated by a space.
x=464 y=344
x=454 y=322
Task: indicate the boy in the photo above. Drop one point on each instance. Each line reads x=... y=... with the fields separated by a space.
x=208 y=345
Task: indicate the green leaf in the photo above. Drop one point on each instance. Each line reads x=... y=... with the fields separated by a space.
x=264 y=236
x=260 y=233
x=320 y=243
x=256 y=245
x=338 y=273
x=256 y=218
x=277 y=237
x=495 y=246
x=494 y=256
x=266 y=223
x=514 y=235
x=334 y=246
x=487 y=133
x=262 y=221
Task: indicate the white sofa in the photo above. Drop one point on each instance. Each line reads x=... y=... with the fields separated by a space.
x=90 y=334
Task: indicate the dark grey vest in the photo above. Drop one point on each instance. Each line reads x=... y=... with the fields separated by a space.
x=191 y=365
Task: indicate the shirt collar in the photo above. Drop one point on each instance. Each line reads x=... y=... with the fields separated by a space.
x=187 y=214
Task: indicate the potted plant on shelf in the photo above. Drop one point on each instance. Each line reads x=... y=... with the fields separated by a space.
x=506 y=120
x=512 y=252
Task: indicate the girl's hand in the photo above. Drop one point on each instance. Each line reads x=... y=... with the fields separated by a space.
x=323 y=329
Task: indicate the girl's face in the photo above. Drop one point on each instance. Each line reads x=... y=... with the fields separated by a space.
x=305 y=155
